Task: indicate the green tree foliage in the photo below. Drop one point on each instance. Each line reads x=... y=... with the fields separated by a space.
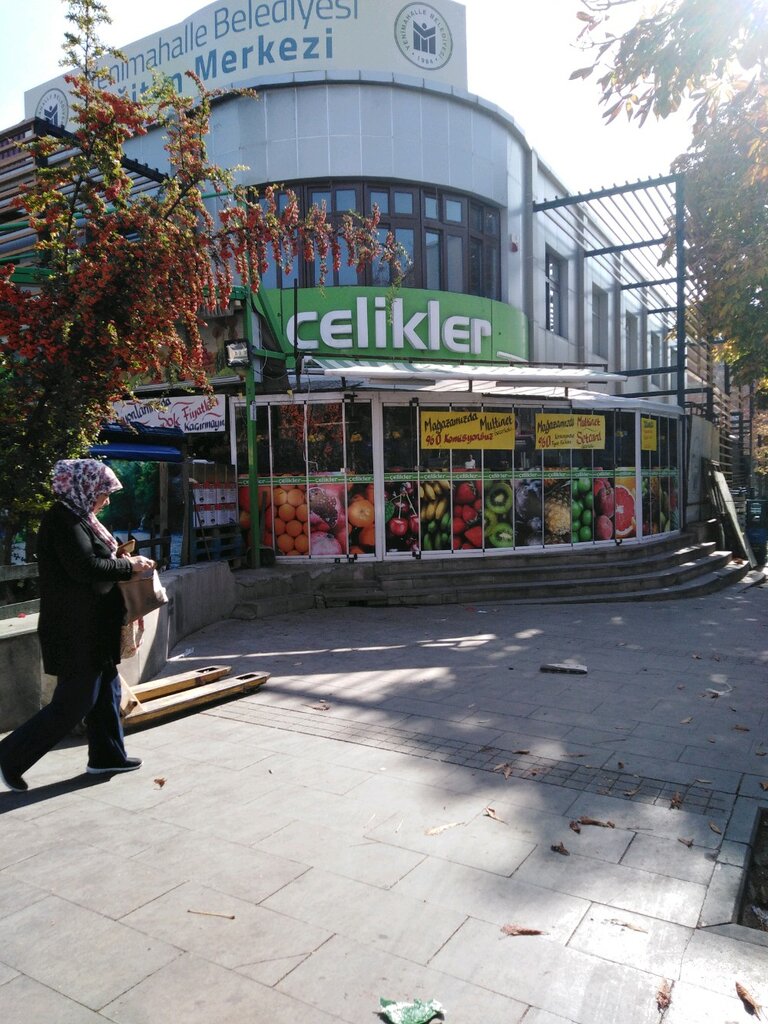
x=712 y=57
x=127 y=273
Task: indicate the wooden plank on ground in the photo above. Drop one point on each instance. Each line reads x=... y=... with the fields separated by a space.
x=185 y=700
x=155 y=688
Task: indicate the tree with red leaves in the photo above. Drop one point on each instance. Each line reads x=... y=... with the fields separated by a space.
x=125 y=275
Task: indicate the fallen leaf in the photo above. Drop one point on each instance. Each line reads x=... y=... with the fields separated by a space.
x=574 y=755
x=764 y=785
x=211 y=913
x=575 y=826
x=489 y=812
x=748 y=1000
x=685 y=842
x=664 y=996
x=676 y=801
x=560 y=848
x=715 y=828
x=594 y=821
x=631 y=792
x=696 y=656
x=711 y=739
x=438 y=829
x=504 y=767
x=716 y=657
x=761 y=753
x=521 y=751
x=320 y=706
x=627 y=924
x=681 y=686
x=741 y=728
x=704 y=782
x=159 y=783
x=686 y=721
x=620 y=764
x=516 y=929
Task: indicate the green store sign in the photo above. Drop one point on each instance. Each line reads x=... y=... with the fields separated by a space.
x=409 y=325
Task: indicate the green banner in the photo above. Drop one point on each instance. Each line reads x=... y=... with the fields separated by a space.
x=408 y=325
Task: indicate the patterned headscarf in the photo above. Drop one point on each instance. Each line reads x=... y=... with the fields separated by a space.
x=77 y=483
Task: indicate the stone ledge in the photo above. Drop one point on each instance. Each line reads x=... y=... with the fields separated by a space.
x=198 y=596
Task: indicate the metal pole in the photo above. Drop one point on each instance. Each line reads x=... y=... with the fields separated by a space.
x=250 y=433
x=680 y=326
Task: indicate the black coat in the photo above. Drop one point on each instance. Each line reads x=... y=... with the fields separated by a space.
x=81 y=609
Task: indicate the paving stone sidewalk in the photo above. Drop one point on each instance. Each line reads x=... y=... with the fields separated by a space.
x=368 y=823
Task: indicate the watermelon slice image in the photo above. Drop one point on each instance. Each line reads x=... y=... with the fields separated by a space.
x=624 y=518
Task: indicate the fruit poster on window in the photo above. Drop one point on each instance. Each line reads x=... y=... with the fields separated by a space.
x=648 y=435
x=569 y=430
x=443 y=428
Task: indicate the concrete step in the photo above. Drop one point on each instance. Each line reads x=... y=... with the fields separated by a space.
x=469 y=574
x=535 y=557
x=629 y=586
x=629 y=571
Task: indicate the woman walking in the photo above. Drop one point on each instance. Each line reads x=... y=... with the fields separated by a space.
x=81 y=615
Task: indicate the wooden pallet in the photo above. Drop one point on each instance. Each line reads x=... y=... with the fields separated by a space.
x=172 y=695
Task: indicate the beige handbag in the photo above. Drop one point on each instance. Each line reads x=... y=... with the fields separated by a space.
x=142 y=595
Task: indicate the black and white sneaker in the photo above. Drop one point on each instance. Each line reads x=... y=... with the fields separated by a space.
x=130 y=764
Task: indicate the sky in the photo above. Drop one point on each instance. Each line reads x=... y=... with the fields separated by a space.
x=520 y=56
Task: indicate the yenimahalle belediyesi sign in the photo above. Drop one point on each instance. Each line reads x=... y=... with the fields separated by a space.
x=238 y=43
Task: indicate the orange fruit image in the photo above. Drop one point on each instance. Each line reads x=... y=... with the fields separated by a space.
x=361 y=512
x=287 y=512
x=285 y=543
x=295 y=497
x=294 y=528
x=367 y=537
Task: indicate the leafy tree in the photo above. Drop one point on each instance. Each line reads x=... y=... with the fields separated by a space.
x=712 y=57
x=126 y=274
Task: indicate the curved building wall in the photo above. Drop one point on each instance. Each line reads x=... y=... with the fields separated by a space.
x=392 y=130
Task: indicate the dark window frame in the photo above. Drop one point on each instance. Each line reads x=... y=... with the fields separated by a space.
x=485 y=283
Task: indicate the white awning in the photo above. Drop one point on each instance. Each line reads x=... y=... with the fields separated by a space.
x=403 y=372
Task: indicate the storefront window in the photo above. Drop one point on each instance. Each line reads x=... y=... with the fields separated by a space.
x=533 y=487
x=402 y=520
x=625 y=486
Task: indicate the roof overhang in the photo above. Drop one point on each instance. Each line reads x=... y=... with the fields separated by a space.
x=419 y=373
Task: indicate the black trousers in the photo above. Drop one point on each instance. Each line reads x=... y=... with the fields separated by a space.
x=89 y=694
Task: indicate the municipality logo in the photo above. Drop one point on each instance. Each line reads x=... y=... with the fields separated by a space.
x=54 y=108
x=423 y=36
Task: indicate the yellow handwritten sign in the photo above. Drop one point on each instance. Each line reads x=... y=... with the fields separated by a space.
x=648 y=435
x=445 y=429
x=569 y=430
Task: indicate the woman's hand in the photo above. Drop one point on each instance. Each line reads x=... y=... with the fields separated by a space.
x=141 y=565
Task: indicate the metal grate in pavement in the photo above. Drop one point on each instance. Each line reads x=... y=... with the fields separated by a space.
x=519 y=764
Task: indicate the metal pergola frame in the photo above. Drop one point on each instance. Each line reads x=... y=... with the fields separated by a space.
x=648 y=228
